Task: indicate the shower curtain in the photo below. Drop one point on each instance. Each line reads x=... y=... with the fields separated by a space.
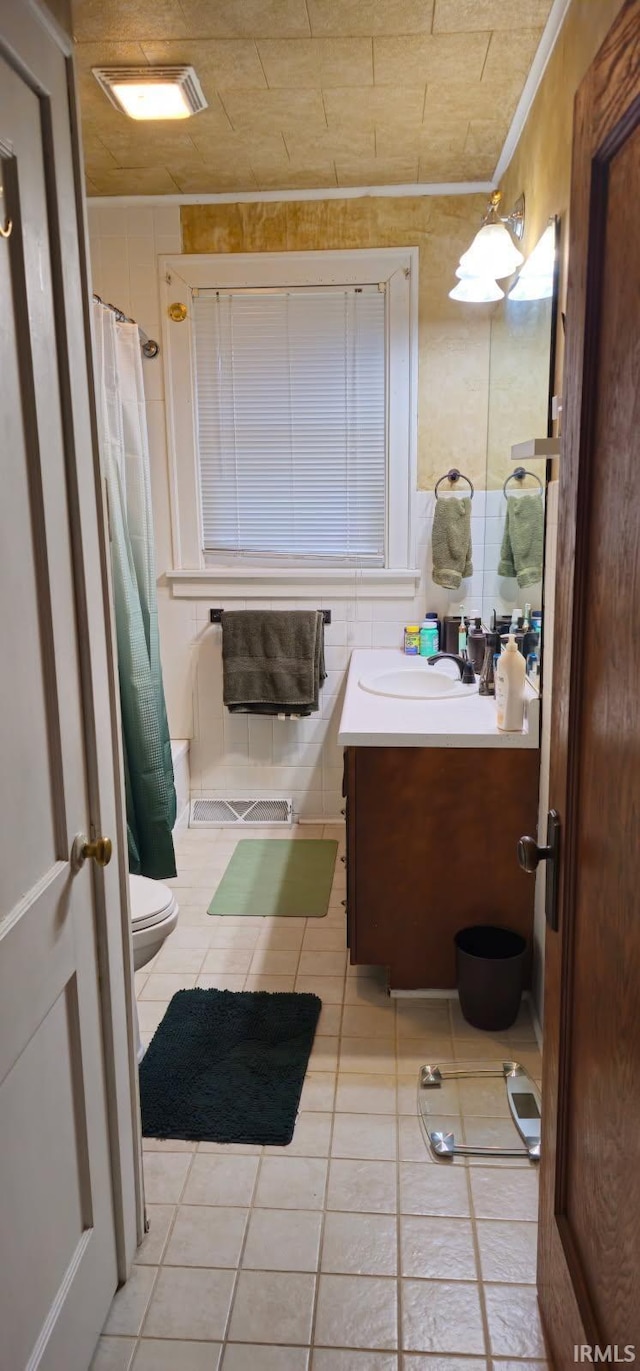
x=124 y=453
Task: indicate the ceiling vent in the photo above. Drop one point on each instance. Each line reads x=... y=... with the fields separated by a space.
x=152 y=92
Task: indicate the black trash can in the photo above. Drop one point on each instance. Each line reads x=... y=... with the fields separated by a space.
x=490 y=965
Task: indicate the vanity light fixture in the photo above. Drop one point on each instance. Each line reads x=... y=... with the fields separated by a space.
x=535 y=281
x=493 y=252
x=152 y=92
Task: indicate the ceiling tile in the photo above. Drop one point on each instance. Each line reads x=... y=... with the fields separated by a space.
x=465 y=99
x=392 y=105
x=325 y=62
x=275 y=111
x=376 y=171
x=351 y=18
x=240 y=148
x=135 y=181
x=485 y=138
x=460 y=167
x=208 y=180
x=120 y=19
x=97 y=158
x=349 y=142
x=225 y=63
x=246 y=18
x=446 y=136
x=154 y=150
x=411 y=60
x=454 y=16
x=510 y=55
x=298 y=178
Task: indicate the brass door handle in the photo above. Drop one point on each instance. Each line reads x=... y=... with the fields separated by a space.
x=99 y=851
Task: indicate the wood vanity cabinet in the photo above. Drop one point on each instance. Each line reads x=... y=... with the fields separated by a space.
x=431 y=848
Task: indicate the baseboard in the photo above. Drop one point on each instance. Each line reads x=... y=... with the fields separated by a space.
x=423 y=994
x=537 y=1026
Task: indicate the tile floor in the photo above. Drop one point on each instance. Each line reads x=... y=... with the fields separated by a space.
x=349 y=1250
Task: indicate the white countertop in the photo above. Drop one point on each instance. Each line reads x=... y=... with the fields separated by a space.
x=370 y=720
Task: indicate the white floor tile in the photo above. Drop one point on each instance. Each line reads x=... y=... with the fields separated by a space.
x=227 y=1277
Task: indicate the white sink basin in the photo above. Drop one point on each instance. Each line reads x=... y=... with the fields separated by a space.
x=416 y=683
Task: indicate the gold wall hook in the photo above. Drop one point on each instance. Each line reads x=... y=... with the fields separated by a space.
x=6 y=231
x=177 y=312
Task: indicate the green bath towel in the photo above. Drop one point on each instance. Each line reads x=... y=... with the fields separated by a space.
x=523 y=540
x=272 y=661
x=451 y=539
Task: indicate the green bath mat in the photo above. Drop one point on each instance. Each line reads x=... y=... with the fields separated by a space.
x=228 y=1067
x=277 y=878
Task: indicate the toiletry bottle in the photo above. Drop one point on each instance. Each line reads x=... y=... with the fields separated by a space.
x=412 y=640
x=510 y=674
x=476 y=644
x=487 y=679
x=462 y=634
x=429 y=635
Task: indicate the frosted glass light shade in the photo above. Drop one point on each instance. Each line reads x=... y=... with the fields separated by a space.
x=532 y=288
x=152 y=101
x=535 y=281
x=476 y=290
x=492 y=253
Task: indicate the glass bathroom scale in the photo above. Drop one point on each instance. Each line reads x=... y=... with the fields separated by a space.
x=487 y=1110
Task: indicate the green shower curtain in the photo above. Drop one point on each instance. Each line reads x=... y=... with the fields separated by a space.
x=122 y=429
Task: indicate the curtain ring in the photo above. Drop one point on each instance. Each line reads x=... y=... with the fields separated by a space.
x=6 y=231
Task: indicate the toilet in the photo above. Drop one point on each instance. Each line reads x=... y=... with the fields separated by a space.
x=154 y=915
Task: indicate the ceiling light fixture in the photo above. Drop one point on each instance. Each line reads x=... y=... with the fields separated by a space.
x=152 y=92
x=535 y=281
x=493 y=251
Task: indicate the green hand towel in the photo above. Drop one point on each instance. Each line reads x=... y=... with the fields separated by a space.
x=273 y=661
x=523 y=540
x=451 y=540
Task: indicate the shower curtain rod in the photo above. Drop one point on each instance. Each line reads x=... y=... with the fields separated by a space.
x=149 y=346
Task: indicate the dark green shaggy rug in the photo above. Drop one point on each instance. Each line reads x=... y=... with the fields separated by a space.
x=228 y=1066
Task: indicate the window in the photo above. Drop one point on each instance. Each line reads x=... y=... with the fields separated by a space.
x=291 y=423
x=291 y=415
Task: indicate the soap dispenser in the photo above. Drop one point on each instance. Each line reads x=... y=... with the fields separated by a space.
x=510 y=675
x=476 y=645
x=487 y=679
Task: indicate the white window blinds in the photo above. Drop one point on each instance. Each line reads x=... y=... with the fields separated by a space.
x=291 y=423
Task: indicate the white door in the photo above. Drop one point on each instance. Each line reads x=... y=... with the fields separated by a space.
x=67 y=1169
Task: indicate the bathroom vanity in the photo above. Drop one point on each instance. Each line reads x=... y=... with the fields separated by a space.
x=436 y=800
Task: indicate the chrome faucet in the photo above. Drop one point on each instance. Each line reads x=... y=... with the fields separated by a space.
x=467 y=673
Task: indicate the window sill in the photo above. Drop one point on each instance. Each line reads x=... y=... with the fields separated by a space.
x=271 y=583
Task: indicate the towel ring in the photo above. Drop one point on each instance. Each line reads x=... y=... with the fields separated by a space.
x=519 y=475
x=453 y=476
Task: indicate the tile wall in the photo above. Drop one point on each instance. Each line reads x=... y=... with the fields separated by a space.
x=243 y=756
x=234 y=754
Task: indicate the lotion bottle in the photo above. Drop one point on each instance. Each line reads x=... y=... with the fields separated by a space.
x=510 y=676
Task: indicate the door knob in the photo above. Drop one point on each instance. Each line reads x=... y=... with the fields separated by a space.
x=99 y=851
x=530 y=855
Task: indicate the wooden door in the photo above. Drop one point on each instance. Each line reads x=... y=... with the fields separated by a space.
x=589 y=1253
x=66 y=1101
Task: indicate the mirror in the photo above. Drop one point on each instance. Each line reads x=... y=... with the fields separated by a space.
x=520 y=380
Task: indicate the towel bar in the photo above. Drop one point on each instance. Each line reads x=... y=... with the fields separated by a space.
x=215 y=615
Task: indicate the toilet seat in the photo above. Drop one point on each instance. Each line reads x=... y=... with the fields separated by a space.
x=152 y=902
